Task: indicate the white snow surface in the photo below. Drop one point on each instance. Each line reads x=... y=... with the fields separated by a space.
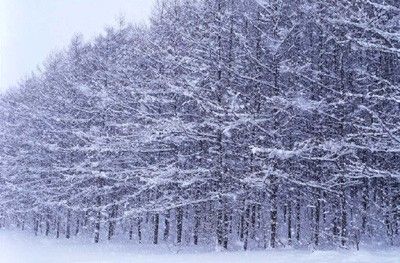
x=17 y=247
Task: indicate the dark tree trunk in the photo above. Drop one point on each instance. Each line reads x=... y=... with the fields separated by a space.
x=111 y=222
x=196 y=225
x=156 y=226
x=36 y=225
x=253 y=221
x=365 y=200
x=225 y=230
x=167 y=224
x=298 y=220
x=246 y=228
x=131 y=231
x=58 y=227
x=179 y=224
x=47 y=231
x=317 y=220
x=289 y=224
x=273 y=211
x=343 y=227
x=139 y=229
x=68 y=226
x=77 y=227
x=98 y=220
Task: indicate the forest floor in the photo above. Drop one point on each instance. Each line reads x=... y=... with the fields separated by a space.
x=16 y=247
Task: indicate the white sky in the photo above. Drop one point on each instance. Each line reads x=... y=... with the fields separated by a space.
x=31 y=29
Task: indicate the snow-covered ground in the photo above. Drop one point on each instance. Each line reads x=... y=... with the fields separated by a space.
x=18 y=247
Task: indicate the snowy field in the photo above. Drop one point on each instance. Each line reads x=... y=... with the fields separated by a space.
x=22 y=248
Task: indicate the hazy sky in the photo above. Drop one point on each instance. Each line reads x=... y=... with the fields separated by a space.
x=31 y=29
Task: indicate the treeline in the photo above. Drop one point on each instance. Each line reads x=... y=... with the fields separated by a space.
x=239 y=124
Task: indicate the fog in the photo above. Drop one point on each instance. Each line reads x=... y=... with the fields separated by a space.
x=31 y=29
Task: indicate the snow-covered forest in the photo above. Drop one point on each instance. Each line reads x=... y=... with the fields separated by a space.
x=236 y=124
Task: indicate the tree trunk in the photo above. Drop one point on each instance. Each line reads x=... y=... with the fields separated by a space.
x=365 y=199
x=131 y=231
x=111 y=222
x=298 y=220
x=47 y=231
x=273 y=211
x=317 y=219
x=343 y=227
x=139 y=229
x=289 y=224
x=156 y=226
x=36 y=225
x=167 y=225
x=98 y=220
x=225 y=230
x=58 y=227
x=68 y=227
x=77 y=227
x=179 y=224
x=246 y=228
x=196 y=225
